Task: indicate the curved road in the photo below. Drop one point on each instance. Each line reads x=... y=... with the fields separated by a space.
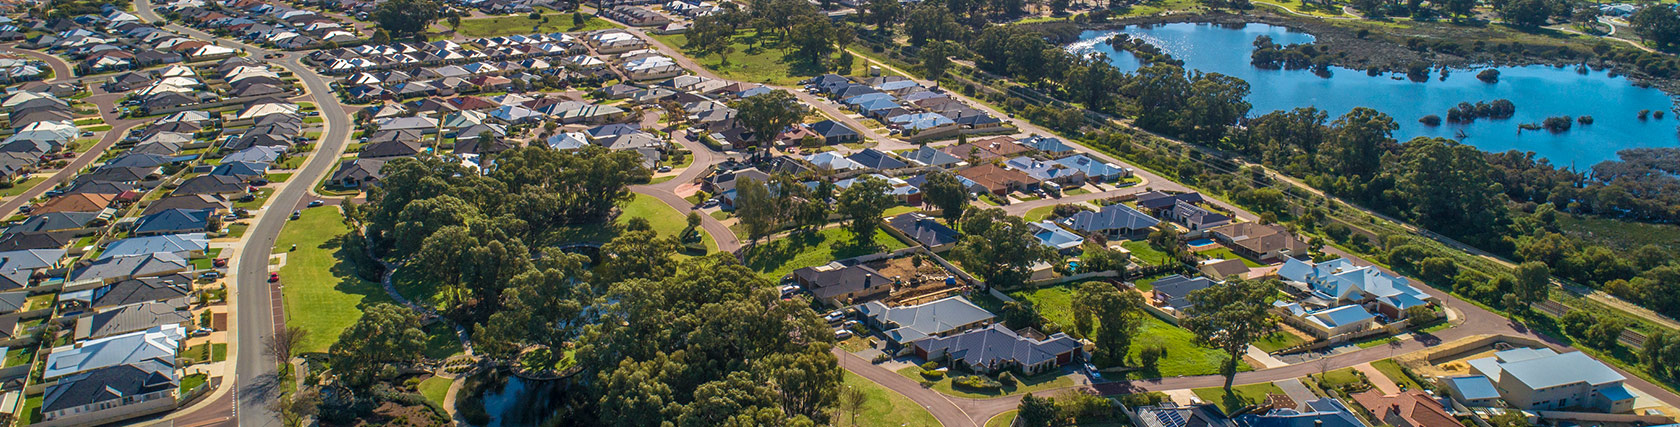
x=254 y=377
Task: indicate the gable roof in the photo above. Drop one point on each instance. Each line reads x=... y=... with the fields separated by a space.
x=133 y=317
x=876 y=159
x=929 y=156
x=173 y=243
x=923 y=229
x=111 y=383
x=173 y=220
x=1111 y=217
x=832 y=280
x=156 y=343
x=1177 y=288
x=998 y=347
x=125 y=267
x=912 y=323
x=1054 y=236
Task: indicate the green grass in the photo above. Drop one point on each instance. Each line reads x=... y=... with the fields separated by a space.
x=1340 y=378
x=436 y=389
x=441 y=342
x=1076 y=192
x=1184 y=355
x=1243 y=395
x=39 y=302
x=1301 y=8
x=1147 y=284
x=322 y=294
x=278 y=177
x=752 y=63
x=30 y=412
x=1392 y=371
x=204 y=353
x=1038 y=214
x=886 y=408
x=523 y=24
x=667 y=221
x=661 y=180
x=20 y=187
x=899 y=210
x=1023 y=384
x=1278 y=341
x=257 y=203
x=193 y=381
x=1619 y=234
x=1226 y=253
x=1146 y=252
x=19 y=356
x=779 y=257
x=1005 y=419
x=98 y=128
x=237 y=230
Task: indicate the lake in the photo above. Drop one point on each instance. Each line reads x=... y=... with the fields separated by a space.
x=1537 y=91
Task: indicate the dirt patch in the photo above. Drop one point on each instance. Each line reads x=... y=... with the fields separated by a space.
x=917 y=284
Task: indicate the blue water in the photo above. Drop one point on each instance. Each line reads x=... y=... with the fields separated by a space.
x=1537 y=91
x=1201 y=242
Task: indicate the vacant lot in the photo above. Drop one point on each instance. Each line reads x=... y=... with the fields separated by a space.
x=523 y=24
x=759 y=60
x=322 y=293
x=779 y=257
x=1183 y=355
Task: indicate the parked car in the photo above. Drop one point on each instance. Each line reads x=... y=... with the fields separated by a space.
x=219 y=262
x=273 y=277
x=841 y=334
x=790 y=289
x=296 y=215
x=202 y=332
x=316 y=202
x=849 y=324
x=210 y=275
x=834 y=317
x=664 y=168
x=259 y=182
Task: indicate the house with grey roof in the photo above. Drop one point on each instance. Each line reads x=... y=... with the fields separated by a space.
x=133 y=317
x=1114 y=222
x=133 y=347
x=186 y=245
x=996 y=348
x=840 y=285
x=112 y=393
x=11 y=302
x=929 y=156
x=1325 y=412
x=56 y=221
x=173 y=221
x=96 y=296
x=907 y=324
x=924 y=230
x=1539 y=379
x=1173 y=292
x=131 y=266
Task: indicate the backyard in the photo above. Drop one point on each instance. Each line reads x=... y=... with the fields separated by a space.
x=1146 y=252
x=777 y=258
x=323 y=295
x=1243 y=395
x=754 y=60
x=1183 y=355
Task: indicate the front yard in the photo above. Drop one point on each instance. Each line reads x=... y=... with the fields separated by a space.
x=1242 y=395
x=1023 y=384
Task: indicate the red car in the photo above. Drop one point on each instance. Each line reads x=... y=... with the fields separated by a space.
x=273 y=277
x=220 y=262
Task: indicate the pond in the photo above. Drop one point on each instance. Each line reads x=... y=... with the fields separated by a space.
x=513 y=401
x=1538 y=92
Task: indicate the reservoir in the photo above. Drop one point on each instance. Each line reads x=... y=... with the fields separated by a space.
x=1538 y=92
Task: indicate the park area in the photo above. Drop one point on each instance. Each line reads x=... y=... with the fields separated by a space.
x=759 y=60
x=885 y=408
x=322 y=293
x=551 y=22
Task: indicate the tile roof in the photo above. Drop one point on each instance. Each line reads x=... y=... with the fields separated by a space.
x=915 y=322
x=997 y=347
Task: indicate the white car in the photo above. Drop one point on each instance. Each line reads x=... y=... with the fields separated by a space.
x=834 y=317
x=841 y=334
x=789 y=289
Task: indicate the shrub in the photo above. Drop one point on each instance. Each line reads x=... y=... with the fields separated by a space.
x=977 y=382
x=932 y=375
x=1007 y=379
x=930 y=365
x=1150 y=355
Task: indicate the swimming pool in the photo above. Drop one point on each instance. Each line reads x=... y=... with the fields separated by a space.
x=1201 y=243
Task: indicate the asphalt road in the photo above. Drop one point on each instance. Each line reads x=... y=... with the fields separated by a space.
x=254 y=378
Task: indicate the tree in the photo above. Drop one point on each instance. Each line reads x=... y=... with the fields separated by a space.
x=1357 y=141
x=999 y=248
x=863 y=203
x=1658 y=23
x=1525 y=14
x=767 y=115
x=454 y=21
x=945 y=192
x=1230 y=317
x=386 y=335
x=813 y=41
x=1534 y=279
x=1116 y=314
x=882 y=14
x=1448 y=188
x=284 y=341
x=1098 y=258
x=931 y=22
x=755 y=208
x=851 y=402
x=578 y=19
x=299 y=405
x=1661 y=354
x=1037 y=411
x=1459 y=9
x=406 y=17
x=380 y=36
x=710 y=35
x=936 y=58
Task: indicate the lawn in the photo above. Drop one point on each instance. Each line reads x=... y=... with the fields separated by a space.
x=1339 y=378
x=779 y=257
x=441 y=341
x=1005 y=419
x=1278 y=341
x=1146 y=252
x=1184 y=356
x=436 y=389
x=523 y=24
x=886 y=408
x=19 y=356
x=666 y=220
x=1038 y=214
x=1023 y=384
x=1146 y=284
x=899 y=210
x=323 y=295
x=31 y=410
x=257 y=203
x=193 y=381
x=20 y=187
x=751 y=62
x=237 y=230
x=1244 y=395
x=1226 y=253
x=203 y=353
x=1392 y=371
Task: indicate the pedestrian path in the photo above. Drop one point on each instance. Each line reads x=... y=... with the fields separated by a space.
x=1266 y=360
x=1297 y=392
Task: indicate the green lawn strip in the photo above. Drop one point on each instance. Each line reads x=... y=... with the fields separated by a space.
x=886 y=408
x=1392 y=370
x=1146 y=252
x=1054 y=303
x=322 y=294
x=779 y=257
x=661 y=180
x=257 y=203
x=1278 y=341
x=1005 y=419
x=1226 y=253
x=899 y=210
x=1023 y=384
x=30 y=411
x=1244 y=395
x=19 y=356
x=98 y=128
x=1076 y=192
x=523 y=24
x=193 y=381
x=1038 y=213
x=441 y=341
x=278 y=177
x=20 y=187
x=1341 y=378
x=436 y=389
x=237 y=230
x=752 y=62
x=1147 y=284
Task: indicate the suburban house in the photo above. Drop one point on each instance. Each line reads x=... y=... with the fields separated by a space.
x=1327 y=322
x=111 y=394
x=125 y=292
x=994 y=179
x=1325 y=412
x=133 y=347
x=1095 y=170
x=1342 y=282
x=1046 y=172
x=928 y=156
x=840 y=285
x=904 y=325
x=924 y=230
x=833 y=132
x=1113 y=222
x=133 y=317
x=358 y=173
x=1260 y=242
x=1173 y=292
x=1472 y=390
x=132 y=266
x=173 y=221
x=996 y=348
x=1056 y=237
x=1196 y=218
x=1538 y=379
x=1413 y=408
x=1220 y=269
x=1156 y=202
x=189 y=245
